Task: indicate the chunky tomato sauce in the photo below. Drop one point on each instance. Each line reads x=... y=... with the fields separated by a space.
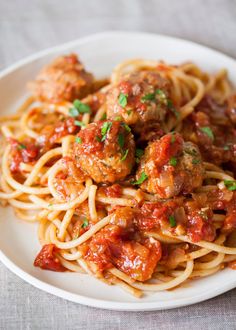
x=46 y=259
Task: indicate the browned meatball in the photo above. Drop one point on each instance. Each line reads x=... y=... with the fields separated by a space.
x=170 y=166
x=105 y=151
x=139 y=99
x=231 y=108
x=65 y=79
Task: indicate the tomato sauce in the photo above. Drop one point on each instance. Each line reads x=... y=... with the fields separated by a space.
x=47 y=259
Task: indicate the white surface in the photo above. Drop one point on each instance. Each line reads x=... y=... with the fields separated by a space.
x=18 y=242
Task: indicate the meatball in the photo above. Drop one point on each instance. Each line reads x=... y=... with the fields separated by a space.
x=139 y=99
x=231 y=108
x=65 y=79
x=105 y=151
x=170 y=166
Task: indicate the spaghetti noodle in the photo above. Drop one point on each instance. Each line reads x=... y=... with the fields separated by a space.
x=131 y=178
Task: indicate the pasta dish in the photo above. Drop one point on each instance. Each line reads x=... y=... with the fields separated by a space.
x=130 y=178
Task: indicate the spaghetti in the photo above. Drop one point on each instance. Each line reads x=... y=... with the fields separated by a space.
x=131 y=178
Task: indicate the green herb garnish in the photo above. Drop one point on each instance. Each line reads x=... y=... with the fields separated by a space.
x=142 y=178
x=98 y=138
x=78 y=140
x=85 y=223
x=148 y=97
x=121 y=140
x=118 y=118
x=139 y=152
x=124 y=155
x=81 y=107
x=195 y=161
x=123 y=100
x=78 y=108
x=172 y=108
x=207 y=130
x=173 y=161
x=126 y=127
x=104 y=116
x=105 y=129
x=172 y=140
x=129 y=112
x=172 y=221
x=79 y=123
x=230 y=184
x=21 y=146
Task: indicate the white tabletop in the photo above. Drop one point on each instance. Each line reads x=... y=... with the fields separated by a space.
x=28 y=26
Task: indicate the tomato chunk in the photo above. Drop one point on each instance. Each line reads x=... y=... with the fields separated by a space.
x=46 y=259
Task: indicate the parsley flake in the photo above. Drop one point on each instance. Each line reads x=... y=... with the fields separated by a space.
x=207 y=130
x=195 y=161
x=148 y=97
x=126 y=127
x=78 y=140
x=123 y=100
x=104 y=116
x=172 y=221
x=124 y=155
x=85 y=223
x=79 y=123
x=142 y=178
x=139 y=152
x=121 y=140
x=81 y=107
x=98 y=138
x=173 y=161
x=105 y=129
x=230 y=184
x=21 y=146
x=172 y=108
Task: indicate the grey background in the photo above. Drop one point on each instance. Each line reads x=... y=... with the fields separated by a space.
x=30 y=26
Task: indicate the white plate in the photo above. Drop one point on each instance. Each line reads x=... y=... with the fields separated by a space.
x=18 y=240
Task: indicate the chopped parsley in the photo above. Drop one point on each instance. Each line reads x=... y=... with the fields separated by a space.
x=172 y=140
x=104 y=116
x=105 y=129
x=172 y=221
x=123 y=100
x=139 y=152
x=73 y=112
x=78 y=108
x=126 y=127
x=124 y=155
x=207 y=130
x=148 y=97
x=226 y=147
x=173 y=161
x=85 y=223
x=142 y=178
x=121 y=140
x=21 y=146
x=118 y=118
x=230 y=184
x=162 y=95
x=195 y=161
x=129 y=112
x=81 y=107
x=172 y=108
x=78 y=140
x=79 y=123
x=98 y=138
